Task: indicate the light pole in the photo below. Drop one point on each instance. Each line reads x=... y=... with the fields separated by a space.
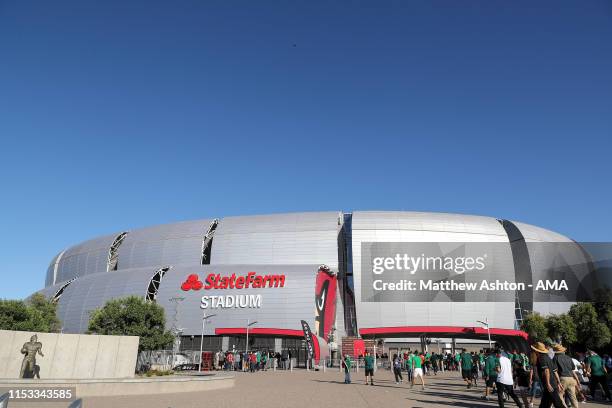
x=486 y=324
x=249 y=324
x=204 y=318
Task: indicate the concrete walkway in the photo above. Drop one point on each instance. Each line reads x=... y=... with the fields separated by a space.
x=301 y=389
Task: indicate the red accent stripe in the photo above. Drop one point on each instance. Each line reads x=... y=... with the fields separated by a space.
x=259 y=331
x=450 y=330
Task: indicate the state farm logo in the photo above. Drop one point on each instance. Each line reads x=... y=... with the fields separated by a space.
x=193 y=282
x=233 y=281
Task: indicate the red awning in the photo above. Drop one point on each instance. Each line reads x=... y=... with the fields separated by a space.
x=262 y=331
x=440 y=331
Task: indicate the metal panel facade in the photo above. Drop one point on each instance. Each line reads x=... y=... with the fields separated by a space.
x=427 y=227
x=170 y=244
x=533 y=234
x=92 y=291
x=292 y=239
x=83 y=259
x=281 y=307
x=290 y=244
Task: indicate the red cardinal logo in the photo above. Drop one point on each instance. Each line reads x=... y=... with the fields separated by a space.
x=192 y=283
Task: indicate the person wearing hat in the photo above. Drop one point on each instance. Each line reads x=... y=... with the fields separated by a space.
x=567 y=376
x=547 y=371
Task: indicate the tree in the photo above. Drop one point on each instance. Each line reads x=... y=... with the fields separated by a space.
x=603 y=305
x=37 y=314
x=132 y=316
x=561 y=328
x=590 y=332
x=47 y=310
x=535 y=326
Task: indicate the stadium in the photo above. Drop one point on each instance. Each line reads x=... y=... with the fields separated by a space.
x=264 y=272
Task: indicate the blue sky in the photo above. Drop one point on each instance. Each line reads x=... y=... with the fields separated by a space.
x=116 y=115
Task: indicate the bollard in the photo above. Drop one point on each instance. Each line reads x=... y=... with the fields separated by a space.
x=291 y=364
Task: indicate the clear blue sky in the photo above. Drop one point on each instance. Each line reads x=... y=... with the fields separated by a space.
x=121 y=114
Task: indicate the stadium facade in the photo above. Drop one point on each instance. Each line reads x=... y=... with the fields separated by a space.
x=262 y=269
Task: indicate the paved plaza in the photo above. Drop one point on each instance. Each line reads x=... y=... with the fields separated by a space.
x=302 y=389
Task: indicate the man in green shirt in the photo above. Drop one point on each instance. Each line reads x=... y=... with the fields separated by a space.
x=347 y=363
x=598 y=374
x=481 y=362
x=369 y=368
x=466 y=368
x=434 y=363
x=408 y=366
x=417 y=369
x=490 y=373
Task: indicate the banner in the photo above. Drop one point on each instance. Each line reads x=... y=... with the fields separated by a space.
x=325 y=301
x=309 y=339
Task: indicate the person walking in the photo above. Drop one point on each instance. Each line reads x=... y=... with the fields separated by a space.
x=237 y=362
x=434 y=363
x=216 y=361
x=347 y=363
x=221 y=360
x=490 y=373
x=481 y=362
x=466 y=368
x=397 y=369
x=522 y=378
x=252 y=362
x=417 y=369
x=579 y=370
x=264 y=361
x=597 y=373
x=278 y=358
x=229 y=360
x=567 y=376
x=549 y=378
x=369 y=368
x=504 y=382
x=408 y=364
x=475 y=362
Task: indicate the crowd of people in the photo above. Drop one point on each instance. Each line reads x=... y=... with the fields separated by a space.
x=561 y=381
x=251 y=361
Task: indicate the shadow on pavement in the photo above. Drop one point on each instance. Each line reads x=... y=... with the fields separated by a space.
x=361 y=383
x=456 y=404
